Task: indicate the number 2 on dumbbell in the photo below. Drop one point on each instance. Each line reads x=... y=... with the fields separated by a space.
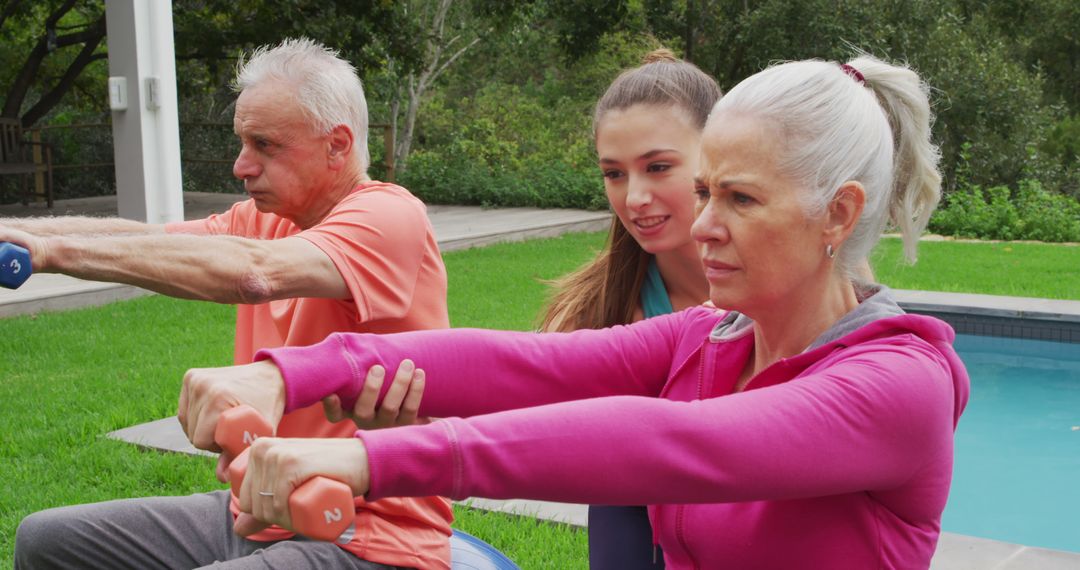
x=318 y=507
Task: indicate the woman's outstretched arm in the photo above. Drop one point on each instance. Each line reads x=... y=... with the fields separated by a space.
x=468 y=371
x=869 y=422
x=473 y=371
x=873 y=422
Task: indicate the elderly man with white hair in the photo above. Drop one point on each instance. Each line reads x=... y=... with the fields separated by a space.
x=319 y=248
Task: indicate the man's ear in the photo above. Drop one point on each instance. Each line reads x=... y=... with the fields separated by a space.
x=339 y=146
x=844 y=212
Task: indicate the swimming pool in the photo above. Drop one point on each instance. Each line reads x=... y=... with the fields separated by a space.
x=1017 y=472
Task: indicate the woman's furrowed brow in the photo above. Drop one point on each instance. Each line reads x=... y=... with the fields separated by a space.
x=704 y=180
x=658 y=151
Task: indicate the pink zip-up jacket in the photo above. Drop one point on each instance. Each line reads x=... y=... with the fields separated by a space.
x=839 y=457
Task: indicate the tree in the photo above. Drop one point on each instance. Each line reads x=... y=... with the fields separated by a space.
x=446 y=37
x=211 y=35
x=49 y=69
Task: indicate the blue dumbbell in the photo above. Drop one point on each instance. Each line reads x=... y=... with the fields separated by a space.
x=14 y=265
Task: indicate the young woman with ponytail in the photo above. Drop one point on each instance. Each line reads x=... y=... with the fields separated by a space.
x=647 y=128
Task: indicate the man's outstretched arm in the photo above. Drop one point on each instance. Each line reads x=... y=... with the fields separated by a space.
x=80 y=226
x=224 y=269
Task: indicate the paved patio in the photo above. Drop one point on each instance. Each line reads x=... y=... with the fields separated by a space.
x=462 y=227
x=456 y=227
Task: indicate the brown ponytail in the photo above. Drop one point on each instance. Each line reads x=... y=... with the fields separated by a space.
x=602 y=293
x=660 y=54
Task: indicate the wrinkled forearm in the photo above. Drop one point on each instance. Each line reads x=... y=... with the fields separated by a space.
x=209 y=268
x=81 y=226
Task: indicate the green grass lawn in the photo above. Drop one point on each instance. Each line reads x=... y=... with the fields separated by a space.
x=1050 y=271
x=68 y=378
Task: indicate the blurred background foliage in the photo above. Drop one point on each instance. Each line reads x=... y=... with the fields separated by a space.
x=490 y=101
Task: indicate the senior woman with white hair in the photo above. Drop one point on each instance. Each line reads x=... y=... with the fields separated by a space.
x=808 y=425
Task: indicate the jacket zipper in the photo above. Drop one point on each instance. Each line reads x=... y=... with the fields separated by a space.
x=656 y=533
x=681 y=509
x=701 y=374
x=680 y=513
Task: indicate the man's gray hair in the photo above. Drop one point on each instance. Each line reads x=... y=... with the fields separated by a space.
x=327 y=87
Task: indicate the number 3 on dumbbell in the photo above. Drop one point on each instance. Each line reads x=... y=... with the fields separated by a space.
x=15 y=266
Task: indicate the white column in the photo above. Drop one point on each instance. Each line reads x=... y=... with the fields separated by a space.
x=145 y=125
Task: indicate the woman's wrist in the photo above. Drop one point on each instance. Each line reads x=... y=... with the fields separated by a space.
x=357 y=457
x=311 y=373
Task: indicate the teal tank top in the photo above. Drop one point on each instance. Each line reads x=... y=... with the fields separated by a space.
x=654 y=297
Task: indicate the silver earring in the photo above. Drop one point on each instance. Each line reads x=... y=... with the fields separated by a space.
x=829 y=251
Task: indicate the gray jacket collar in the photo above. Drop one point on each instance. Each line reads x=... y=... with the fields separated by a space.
x=875 y=302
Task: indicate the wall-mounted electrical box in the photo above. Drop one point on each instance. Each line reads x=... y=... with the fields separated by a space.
x=118 y=93
x=153 y=93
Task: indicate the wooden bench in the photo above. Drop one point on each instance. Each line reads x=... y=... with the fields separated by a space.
x=18 y=156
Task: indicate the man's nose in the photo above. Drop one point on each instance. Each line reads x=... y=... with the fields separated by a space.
x=245 y=166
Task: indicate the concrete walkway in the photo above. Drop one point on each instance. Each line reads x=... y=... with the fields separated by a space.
x=456 y=227
x=462 y=227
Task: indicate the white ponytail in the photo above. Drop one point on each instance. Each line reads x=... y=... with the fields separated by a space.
x=838 y=127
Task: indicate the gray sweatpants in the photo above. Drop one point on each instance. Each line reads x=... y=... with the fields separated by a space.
x=163 y=532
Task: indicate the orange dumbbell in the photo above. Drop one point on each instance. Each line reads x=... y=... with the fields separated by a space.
x=238 y=427
x=320 y=508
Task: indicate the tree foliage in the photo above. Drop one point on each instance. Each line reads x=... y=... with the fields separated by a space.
x=988 y=64
x=212 y=34
x=51 y=44
x=500 y=93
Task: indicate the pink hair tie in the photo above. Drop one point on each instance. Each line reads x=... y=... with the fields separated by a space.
x=854 y=73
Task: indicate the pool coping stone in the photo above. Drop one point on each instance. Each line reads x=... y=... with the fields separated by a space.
x=989 y=305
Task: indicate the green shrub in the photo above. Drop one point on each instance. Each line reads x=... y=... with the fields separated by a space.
x=1063 y=141
x=969 y=213
x=1031 y=214
x=507 y=145
x=1047 y=216
x=440 y=179
x=518 y=138
x=1057 y=160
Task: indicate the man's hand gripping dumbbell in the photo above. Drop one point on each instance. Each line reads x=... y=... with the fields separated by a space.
x=208 y=399
x=15 y=266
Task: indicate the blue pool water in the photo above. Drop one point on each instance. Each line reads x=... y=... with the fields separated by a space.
x=1017 y=471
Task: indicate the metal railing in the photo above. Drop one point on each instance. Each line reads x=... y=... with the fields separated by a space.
x=90 y=154
x=387 y=134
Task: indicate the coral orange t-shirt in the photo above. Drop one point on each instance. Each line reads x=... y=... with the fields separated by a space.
x=380 y=239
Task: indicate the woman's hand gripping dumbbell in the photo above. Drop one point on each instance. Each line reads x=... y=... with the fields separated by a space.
x=318 y=507
x=210 y=394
